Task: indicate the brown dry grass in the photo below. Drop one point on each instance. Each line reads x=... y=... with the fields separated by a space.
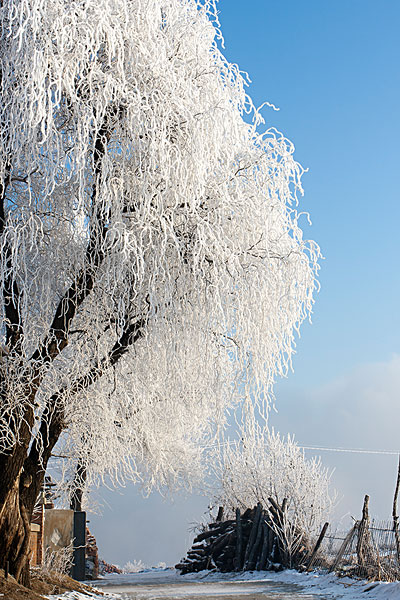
x=41 y=584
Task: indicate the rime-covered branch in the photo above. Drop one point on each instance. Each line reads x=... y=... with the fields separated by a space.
x=57 y=337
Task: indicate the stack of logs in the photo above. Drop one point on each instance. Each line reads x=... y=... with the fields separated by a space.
x=246 y=543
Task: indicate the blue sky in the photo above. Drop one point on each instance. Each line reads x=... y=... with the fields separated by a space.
x=332 y=68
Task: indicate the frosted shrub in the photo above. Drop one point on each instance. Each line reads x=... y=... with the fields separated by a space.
x=58 y=562
x=134 y=567
x=262 y=465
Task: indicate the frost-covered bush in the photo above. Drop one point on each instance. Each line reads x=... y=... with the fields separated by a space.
x=58 y=562
x=265 y=465
x=137 y=566
x=134 y=567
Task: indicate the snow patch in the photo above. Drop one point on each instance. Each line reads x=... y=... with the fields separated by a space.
x=318 y=584
x=74 y=595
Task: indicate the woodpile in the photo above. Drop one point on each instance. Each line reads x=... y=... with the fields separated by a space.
x=251 y=541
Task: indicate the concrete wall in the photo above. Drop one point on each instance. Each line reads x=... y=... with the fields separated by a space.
x=58 y=528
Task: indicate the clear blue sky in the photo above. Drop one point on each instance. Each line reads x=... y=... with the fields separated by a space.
x=333 y=69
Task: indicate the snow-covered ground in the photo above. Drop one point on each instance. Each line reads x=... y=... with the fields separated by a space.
x=324 y=585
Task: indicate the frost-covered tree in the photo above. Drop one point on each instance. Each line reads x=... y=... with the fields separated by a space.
x=265 y=465
x=152 y=269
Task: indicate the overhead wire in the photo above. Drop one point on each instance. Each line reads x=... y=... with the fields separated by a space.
x=351 y=450
x=326 y=449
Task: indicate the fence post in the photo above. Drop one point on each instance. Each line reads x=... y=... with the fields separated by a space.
x=363 y=547
x=316 y=547
x=395 y=515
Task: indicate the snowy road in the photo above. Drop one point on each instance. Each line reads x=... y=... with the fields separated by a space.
x=207 y=590
x=257 y=590
x=288 y=585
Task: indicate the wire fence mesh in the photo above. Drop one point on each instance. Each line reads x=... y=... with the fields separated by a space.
x=368 y=551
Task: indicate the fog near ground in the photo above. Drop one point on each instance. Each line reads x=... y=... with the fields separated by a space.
x=360 y=409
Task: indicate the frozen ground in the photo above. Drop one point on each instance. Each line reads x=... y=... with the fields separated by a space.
x=288 y=585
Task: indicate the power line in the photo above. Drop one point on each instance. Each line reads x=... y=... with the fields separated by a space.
x=323 y=448
x=351 y=450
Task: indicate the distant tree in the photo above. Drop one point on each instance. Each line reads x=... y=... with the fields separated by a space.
x=264 y=465
x=152 y=268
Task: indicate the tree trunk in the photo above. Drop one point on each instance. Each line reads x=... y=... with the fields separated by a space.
x=18 y=492
x=15 y=518
x=14 y=532
x=22 y=469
